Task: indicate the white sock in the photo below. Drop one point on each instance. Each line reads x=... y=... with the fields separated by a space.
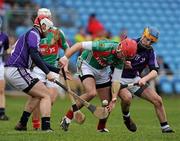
x=165 y=126
x=128 y=115
x=67 y=119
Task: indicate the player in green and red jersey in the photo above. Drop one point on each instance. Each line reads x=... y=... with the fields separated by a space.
x=94 y=71
x=49 y=48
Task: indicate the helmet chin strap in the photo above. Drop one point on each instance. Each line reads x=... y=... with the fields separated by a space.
x=41 y=30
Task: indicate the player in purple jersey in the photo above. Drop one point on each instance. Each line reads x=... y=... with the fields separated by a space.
x=19 y=75
x=49 y=47
x=4 y=45
x=131 y=74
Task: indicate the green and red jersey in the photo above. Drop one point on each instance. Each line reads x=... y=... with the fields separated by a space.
x=102 y=54
x=49 y=46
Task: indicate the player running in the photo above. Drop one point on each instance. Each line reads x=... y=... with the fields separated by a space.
x=19 y=75
x=131 y=74
x=93 y=66
x=49 y=48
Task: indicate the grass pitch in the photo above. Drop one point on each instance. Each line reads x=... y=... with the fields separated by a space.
x=142 y=113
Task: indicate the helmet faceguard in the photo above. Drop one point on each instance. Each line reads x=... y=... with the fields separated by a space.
x=43 y=20
x=127 y=48
x=150 y=36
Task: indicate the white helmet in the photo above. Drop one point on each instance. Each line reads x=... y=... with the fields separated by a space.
x=42 y=19
x=44 y=11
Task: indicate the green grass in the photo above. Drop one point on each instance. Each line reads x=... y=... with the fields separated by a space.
x=141 y=111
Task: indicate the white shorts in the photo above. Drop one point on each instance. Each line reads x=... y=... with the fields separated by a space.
x=101 y=76
x=1 y=71
x=42 y=76
x=132 y=89
x=20 y=78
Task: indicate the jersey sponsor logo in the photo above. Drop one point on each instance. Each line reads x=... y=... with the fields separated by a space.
x=101 y=61
x=139 y=58
x=103 y=58
x=47 y=50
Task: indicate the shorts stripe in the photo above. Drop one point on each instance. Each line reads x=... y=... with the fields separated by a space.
x=25 y=75
x=33 y=82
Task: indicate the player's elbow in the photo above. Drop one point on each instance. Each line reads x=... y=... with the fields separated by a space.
x=79 y=45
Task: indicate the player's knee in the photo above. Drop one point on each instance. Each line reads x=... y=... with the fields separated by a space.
x=47 y=97
x=158 y=101
x=126 y=99
x=92 y=94
x=53 y=97
x=31 y=108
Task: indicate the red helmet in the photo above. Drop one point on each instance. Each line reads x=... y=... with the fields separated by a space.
x=128 y=48
x=42 y=19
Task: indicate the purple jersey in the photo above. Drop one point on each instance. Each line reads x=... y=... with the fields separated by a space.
x=144 y=57
x=20 y=55
x=4 y=44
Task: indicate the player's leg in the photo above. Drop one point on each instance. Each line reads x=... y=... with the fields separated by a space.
x=53 y=94
x=36 y=118
x=103 y=85
x=22 y=124
x=126 y=98
x=52 y=91
x=2 y=101
x=90 y=88
x=39 y=95
x=76 y=85
x=36 y=113
x=104 y=94
x=40 y=91
x=88 y=81
x=3 y=116
x=53 y=88
x=151 y=96
x=24 y=80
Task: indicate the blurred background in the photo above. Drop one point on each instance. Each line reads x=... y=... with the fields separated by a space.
x=114 y=19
